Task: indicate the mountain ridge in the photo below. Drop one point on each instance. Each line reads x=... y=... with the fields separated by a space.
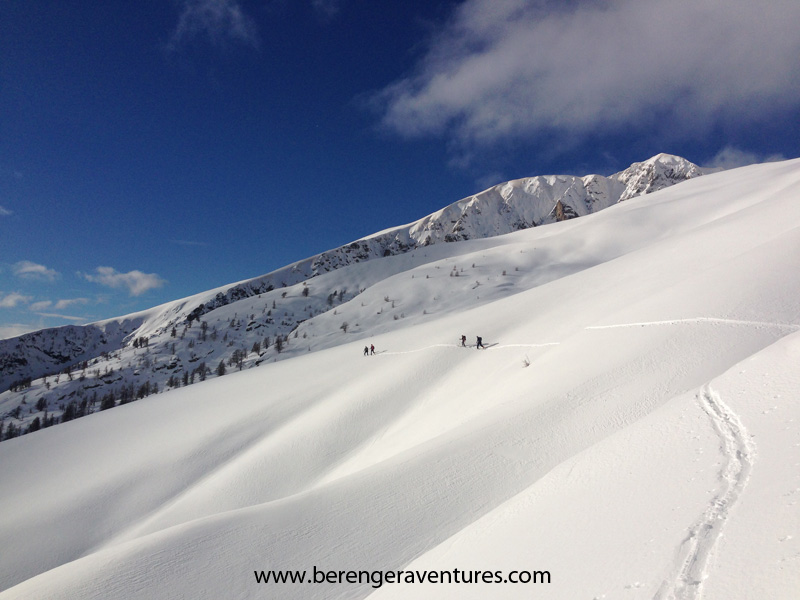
x=510 y=206
x=546 y=199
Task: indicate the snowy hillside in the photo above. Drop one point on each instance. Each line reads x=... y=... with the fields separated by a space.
x=630 y=430
x=74 y=371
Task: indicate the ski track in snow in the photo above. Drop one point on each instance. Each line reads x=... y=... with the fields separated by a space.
x=471 y=346
x=790 y=326
x=739 y=453
x=490 y=346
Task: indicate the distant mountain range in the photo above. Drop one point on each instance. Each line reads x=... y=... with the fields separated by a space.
x=72 y=369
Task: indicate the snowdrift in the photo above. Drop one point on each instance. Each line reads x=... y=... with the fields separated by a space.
x=631 y=430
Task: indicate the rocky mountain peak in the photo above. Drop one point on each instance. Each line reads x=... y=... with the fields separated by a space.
x=656 y=173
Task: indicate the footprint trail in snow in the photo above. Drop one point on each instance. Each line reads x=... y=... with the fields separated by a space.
x=739 y=453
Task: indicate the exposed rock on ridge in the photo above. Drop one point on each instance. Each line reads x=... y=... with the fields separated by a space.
x=501 y=209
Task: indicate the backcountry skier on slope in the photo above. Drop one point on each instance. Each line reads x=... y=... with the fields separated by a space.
x=464 y=341
x=480 y=343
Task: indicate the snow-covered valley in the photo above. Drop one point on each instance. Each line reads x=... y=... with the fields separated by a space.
x=632 y=427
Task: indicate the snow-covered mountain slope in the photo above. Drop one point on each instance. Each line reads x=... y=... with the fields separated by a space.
x=82 y=365
x=535 y=201
x=657 y=173
x=48 y=351
x=631 y=428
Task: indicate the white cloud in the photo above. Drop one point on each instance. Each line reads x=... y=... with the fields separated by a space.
x=730 y=158
x=4 y=212
x=57 y=316
x=59 y=305
x=62 y=304
x=219 y=21
x=508 y=68
x=30 y=270
x=12 y=330
x=12 y=299
x=136 y=281
x=40 y=306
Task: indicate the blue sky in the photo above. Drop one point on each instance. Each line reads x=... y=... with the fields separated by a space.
x=151 y=150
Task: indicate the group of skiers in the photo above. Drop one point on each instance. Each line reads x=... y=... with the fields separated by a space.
x=479 y=343
x=370 y=350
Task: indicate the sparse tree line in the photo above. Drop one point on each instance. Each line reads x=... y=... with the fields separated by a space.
x=76 y=408
x=83 y=401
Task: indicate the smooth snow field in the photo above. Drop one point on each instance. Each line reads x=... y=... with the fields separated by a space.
x=632 y=430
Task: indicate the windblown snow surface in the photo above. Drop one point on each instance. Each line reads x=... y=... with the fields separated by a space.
x=632 y=429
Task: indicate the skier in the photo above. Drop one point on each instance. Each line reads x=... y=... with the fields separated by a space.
x=366 y=351
x=480 y=343
x=372 y=349
x=464 y=341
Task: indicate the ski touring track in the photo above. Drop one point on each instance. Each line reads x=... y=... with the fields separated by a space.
x=712 y=320
x=738 y=452
x=715 y=320
x=470 y=346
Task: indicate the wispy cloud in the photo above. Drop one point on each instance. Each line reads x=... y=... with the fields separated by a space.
x=12 y=330
x=136 y=282
x=4 y=212
x=40 y=306
x=57 y=316
x=13 y=299
x=489 y=179
x=730 y=158
x=66 y=303
x=511 y=68
x=326 y=8
x=216 y=21
x=30 y=270
x=58 y=305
